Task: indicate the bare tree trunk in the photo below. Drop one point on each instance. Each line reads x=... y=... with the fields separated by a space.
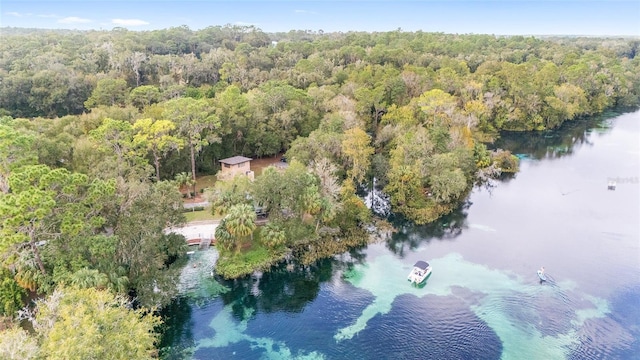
x=4 y=184
x=36 y=253
x=156 y=160
x=136 y=60
x=193 y=165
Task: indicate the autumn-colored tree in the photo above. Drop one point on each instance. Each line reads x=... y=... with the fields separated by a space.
x=88 y=323
x=157 y=137
x=357 y=152
x=17 y=344
x=438 y=106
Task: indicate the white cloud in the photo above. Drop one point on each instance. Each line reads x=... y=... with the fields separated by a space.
x=74 y=20
x=13 y=13
x=129 y=22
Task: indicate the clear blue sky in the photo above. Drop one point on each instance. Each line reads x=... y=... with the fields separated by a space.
x=506 y=17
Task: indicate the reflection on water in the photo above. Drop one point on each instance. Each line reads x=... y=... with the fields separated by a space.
x=483 y=300
x=556 y=143
x=408 y=237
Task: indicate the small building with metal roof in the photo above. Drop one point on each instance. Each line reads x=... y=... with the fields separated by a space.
x=236 y=165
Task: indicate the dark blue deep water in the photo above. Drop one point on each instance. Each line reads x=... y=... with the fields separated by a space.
x=483 y=299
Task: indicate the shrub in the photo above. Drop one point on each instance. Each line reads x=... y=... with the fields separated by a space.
x=193 y=209
x=507 y=162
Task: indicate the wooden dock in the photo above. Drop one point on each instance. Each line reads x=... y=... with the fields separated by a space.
x=202 y=243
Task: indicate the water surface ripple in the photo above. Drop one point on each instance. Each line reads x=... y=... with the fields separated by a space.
x=483 y=299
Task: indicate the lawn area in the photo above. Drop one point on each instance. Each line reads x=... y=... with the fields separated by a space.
x=206 y=181
x=201 y=215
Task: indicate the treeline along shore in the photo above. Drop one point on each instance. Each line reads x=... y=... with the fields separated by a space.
x=100 y=131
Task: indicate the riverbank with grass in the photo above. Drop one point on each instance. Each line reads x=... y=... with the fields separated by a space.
x=257 y=258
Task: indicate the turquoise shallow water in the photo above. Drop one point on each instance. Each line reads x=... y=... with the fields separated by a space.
x=483 y=299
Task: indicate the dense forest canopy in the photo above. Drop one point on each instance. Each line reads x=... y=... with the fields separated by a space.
x=194 y=97
x=53 y=73
x=96 y=125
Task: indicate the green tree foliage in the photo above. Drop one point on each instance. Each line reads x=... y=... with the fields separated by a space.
x=56 y=76
x=406 y=190
x=148 y=257
x=286 y=193
x=228 y=193
x=62 y=227
x=505 y=161
x=114 y=138
x=240 y=221
x=108 y=92
x=16 y=149
x=46 y=206
x=196 y=124
x=184 y=180
x=144 y=96
x=11 y=294
x=287 y=114
x=89 y=278
x=448 y=185
x=273 y=236
x=234 y=112
x=237 y=225
x=411 y=109
x=321 y=143
x=157 y=137
x=94 y=324
x=224 y=240
x=438 y=106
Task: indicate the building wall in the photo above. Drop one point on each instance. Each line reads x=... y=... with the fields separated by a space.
x=238 y=169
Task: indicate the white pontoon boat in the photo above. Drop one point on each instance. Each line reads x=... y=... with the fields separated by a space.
x=420 y=272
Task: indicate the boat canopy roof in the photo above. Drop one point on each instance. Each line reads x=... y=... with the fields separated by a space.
x=422 y=265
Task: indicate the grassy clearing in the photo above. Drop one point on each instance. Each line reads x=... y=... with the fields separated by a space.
x=201 y=215
x=203 y=182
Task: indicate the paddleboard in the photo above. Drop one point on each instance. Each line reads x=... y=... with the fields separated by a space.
x=542 y=276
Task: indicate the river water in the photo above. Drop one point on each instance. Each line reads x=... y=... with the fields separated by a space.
x=483 y=299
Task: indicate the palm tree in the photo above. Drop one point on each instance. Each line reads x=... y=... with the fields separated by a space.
x=273 y=236
x=311 y=201
x=183 y=180
x=89 y=278
x=224 y=240
x=119 y=282
x=241 y=221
